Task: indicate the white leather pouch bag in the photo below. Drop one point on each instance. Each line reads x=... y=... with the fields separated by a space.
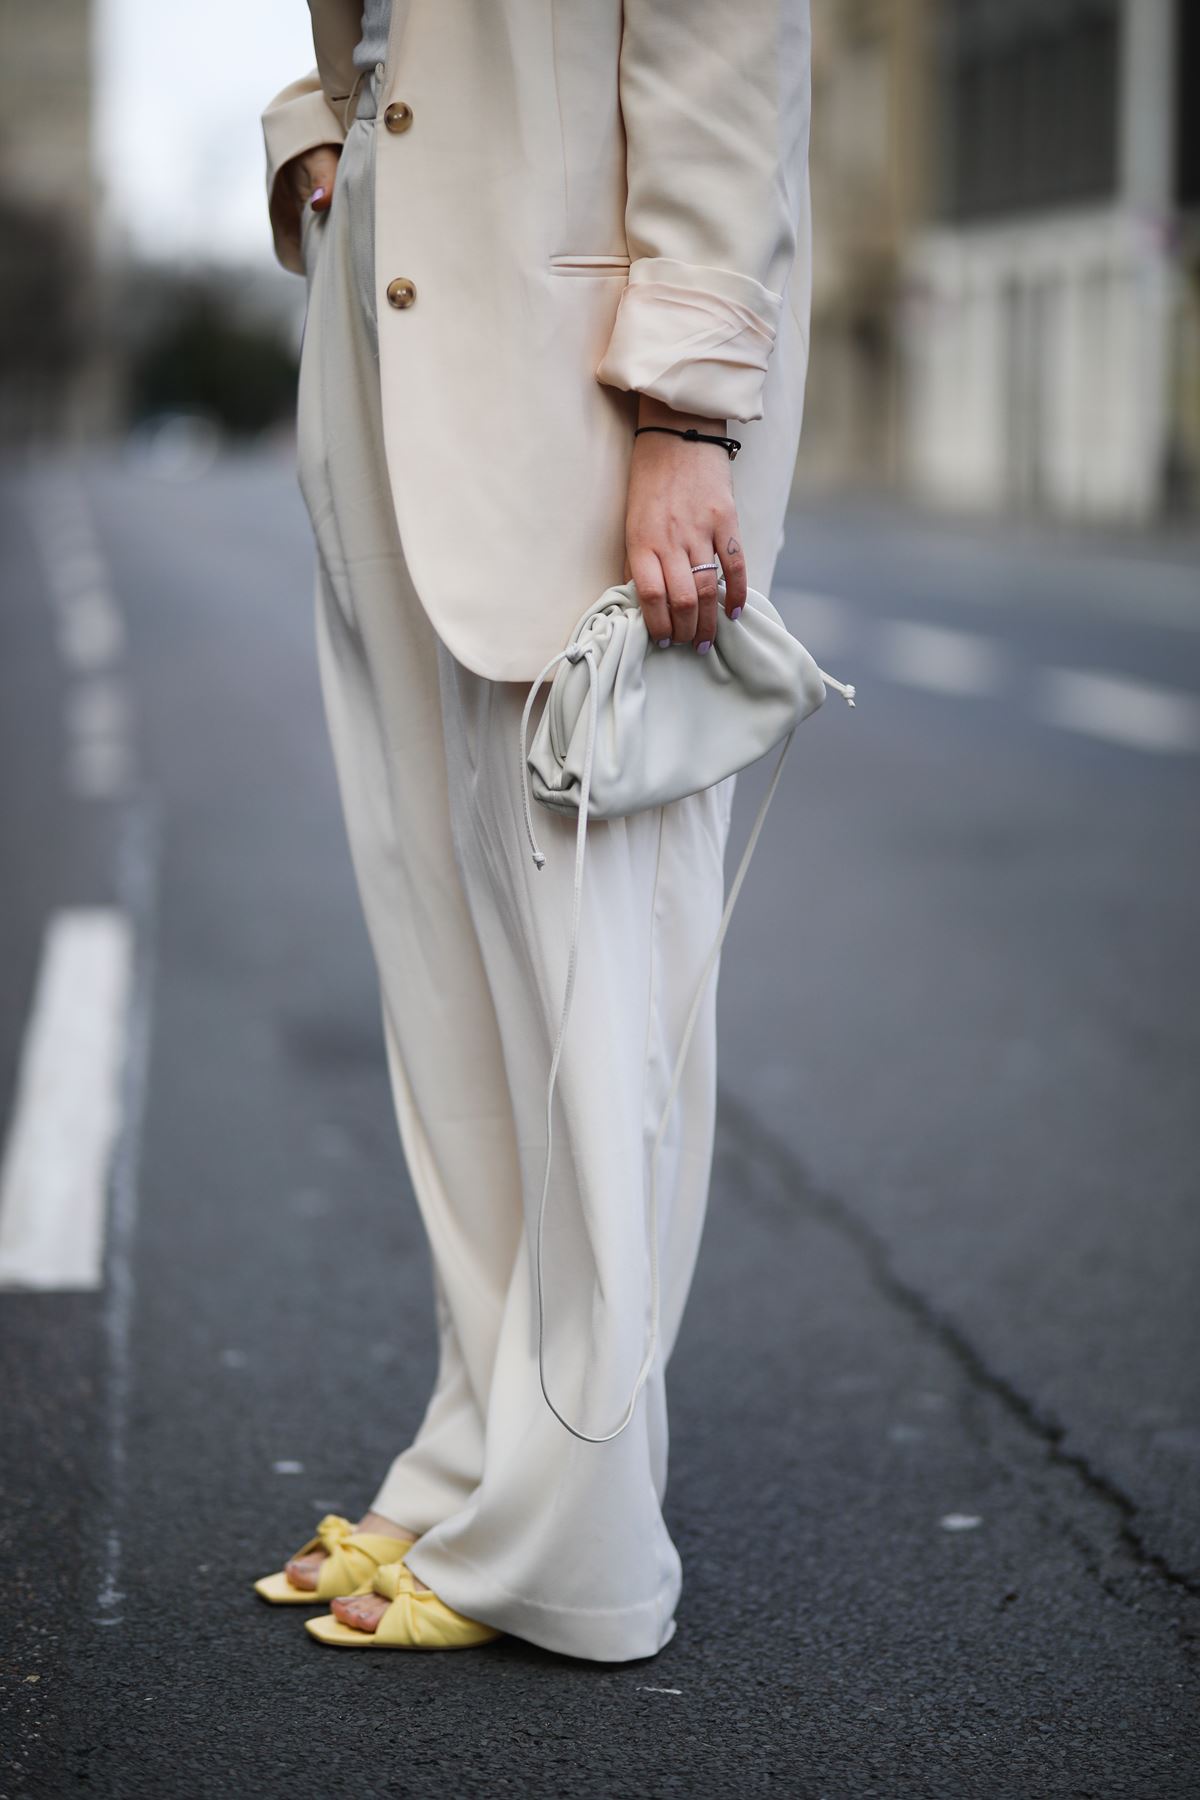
x=628 y=726
x=668 y=722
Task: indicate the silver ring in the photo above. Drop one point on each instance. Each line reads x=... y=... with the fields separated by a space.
x=699 y=568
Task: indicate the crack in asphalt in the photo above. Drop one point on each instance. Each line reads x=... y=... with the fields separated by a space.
x=758 y=1142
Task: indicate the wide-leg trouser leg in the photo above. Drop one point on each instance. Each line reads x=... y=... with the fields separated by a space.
x=524 y=1526
x=378 y=666
x=564 y=1541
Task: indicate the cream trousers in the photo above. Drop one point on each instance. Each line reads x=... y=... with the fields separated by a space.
x=521 y=1525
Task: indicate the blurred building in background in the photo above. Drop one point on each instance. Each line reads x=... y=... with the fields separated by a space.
x=1006 y=309
x=1048 y=296
x=95 y=340
x=55 y=378
x=869 y=159
x=1007 y=302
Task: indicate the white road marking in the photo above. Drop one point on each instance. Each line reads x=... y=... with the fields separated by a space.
x=53 y=1180
x=905 y=1434
x=1140 y=715
x=91 y=632
x=99 y=737
x=823 y=618
x=98 y=769
x=960 y=1522
x=947 y=662
x=99 y=761
x=99 y=764
x=136 y=880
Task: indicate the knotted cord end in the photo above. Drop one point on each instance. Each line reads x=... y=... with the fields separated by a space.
x=539 y=859
x=845 y=688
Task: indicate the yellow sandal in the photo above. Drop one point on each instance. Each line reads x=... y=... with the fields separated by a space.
x=416 y=1619
x=351 y=1558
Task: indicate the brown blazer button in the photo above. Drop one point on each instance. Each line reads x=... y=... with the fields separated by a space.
x=398 y=116
x=401 y=293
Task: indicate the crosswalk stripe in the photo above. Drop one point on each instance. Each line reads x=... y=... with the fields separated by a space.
x=1139 y=715
x=823 y=618
x=948 y=662
x=53 y=1179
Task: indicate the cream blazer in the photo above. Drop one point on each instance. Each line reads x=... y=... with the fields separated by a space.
x=581 y=200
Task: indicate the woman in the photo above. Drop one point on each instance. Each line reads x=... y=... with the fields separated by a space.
x=529 y=230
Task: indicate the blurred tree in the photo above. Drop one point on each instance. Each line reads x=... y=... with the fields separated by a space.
x=204 y=358
x=43 y=342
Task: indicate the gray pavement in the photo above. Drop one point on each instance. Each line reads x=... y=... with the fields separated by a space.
x=936 y=1431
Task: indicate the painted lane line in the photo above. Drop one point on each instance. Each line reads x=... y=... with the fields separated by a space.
x=90 y=630
x=67 y=569
x=66 y=1112
x=137 y=888
x=98 y=770
x=820 y=618
x=97 y=707
x=99 y=738
x=946 y=662
x=99 y=761
x=1139 y=715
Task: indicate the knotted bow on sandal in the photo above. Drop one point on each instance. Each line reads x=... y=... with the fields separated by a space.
x=351 y=1559
x=415 y=1620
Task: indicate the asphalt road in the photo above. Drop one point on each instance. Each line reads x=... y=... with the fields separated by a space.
x=936 y=1428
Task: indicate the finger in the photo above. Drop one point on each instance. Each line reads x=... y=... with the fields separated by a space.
x=313 y=176
x=733 y=562
x=300 y=179
x=651 y=587
x=681 y=595
x=323 y=167
x=706 y=596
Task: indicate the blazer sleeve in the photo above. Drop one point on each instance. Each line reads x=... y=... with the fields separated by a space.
x=715 y=100
x=297 y=119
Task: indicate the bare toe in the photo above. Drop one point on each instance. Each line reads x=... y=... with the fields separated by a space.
x=361 y=1612
x=304 y=1571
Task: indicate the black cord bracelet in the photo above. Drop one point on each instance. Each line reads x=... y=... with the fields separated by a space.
x=732 y=445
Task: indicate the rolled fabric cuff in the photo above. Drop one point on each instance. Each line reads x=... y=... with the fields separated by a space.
x=696 y=338
x=299 y=119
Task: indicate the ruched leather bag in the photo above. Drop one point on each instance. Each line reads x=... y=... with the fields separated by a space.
x=627 y=726
x=667 y=723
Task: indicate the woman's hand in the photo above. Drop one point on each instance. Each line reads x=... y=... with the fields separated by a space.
x=311 y=176
x=681 y=511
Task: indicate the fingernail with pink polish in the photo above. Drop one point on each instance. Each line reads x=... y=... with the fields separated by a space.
x=664 y=643
x=706 y=645
x=736 y=613
x=317 y=194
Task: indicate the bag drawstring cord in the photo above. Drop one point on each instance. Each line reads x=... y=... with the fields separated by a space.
x=575 y=653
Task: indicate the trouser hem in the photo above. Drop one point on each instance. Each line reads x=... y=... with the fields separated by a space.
x=597 y=1634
